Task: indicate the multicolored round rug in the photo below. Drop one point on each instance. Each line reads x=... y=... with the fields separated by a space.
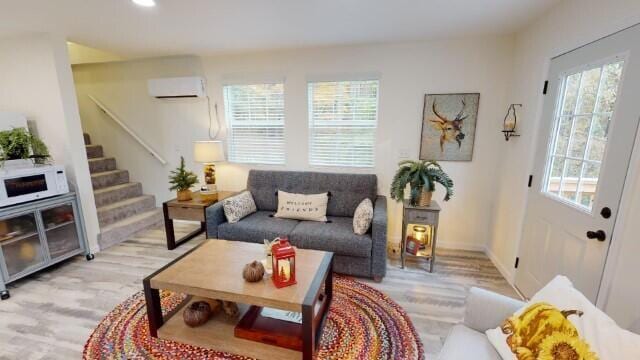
x=363 y=323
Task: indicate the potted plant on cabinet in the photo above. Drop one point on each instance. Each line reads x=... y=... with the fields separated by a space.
x=20 y=144
x=182 y=180
x=422 y=177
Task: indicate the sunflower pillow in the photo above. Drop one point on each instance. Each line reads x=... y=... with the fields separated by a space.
x=560 y=323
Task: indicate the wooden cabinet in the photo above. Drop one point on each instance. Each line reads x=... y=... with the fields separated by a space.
x=38 y=234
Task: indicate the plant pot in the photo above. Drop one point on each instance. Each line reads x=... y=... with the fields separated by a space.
x=184 y=195
x=422 y=199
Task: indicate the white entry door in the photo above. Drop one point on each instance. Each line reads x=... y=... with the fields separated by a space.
x=587 y=132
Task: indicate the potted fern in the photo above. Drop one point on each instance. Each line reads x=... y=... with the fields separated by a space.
x=20 y=144
x=182 y=180
x=422 y=177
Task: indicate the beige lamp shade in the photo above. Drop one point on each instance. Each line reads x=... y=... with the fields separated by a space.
x=208 y=152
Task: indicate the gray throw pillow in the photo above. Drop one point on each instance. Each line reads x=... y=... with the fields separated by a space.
x=239 y=206
x=362 y=217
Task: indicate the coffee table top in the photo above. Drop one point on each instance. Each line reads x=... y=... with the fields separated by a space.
x=213 y=269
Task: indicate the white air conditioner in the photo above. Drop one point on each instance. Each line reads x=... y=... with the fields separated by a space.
x=178 y=87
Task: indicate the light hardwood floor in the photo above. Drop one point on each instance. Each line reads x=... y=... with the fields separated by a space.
x=50 y=315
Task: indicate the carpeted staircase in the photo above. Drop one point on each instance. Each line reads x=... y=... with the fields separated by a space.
x=123 y=209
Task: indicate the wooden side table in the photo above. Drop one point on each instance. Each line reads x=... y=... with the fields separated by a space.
x=420 y=215
x=192 y=210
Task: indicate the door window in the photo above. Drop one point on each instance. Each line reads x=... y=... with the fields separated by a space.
x=585 y=107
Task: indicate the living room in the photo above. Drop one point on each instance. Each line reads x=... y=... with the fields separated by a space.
x=336 y=99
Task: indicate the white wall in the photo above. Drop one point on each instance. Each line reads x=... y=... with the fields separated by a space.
x=406 y=72
x=37 y=81
x=80 y=54
x=565 y=27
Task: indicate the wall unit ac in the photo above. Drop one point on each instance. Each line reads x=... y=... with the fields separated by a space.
x=178 y=87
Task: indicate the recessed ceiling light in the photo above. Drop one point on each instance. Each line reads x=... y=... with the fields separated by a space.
x=145 y=3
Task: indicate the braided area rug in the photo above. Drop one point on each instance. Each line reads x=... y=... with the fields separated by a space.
x=363 y=323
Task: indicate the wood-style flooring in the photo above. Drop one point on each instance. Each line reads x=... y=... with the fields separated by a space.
x=51 y=314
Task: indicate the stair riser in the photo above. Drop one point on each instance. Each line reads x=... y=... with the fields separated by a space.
x=94 y=151
x=109 y=197
x=87 y=139
x=120 y=234
x=110 y=216
x=96 y=166
x=121 y=177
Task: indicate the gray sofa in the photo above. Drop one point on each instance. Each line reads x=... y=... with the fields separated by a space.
x=358 y=255
x=485 y=310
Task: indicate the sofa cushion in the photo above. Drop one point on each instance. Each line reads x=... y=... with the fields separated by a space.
x=257 y=227
x=336 y=236
x=238 y=206
x=347 y=190
x=464 y=343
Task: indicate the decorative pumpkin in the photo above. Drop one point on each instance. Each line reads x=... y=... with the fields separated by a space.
x=197 y=313
x=253 y=272
x=543 y=329
x=230 y=308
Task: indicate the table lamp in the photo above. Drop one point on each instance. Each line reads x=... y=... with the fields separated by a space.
x=207 y=153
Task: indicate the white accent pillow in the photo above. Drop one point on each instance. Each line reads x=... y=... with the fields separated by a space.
x=362 y=217
x=239 y=206
x=604 y=337
x=302 y=207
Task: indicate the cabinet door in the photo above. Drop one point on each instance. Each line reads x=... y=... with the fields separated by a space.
x=20 y=244
x=60 y=230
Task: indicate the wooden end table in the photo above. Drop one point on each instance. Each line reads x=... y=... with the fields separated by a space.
x=420 y=215
x=191 y=210
x=213 y=270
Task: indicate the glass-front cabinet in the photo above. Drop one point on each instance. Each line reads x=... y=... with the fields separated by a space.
x=38 y=234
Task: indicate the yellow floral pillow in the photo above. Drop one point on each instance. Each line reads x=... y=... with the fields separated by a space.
x=544 y=332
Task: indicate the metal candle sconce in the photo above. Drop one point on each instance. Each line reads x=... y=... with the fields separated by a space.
x=510 y=122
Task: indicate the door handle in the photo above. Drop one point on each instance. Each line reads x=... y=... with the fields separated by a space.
x=600 y=235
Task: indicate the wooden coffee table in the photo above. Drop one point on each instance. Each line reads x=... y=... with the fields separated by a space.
x=213 y=270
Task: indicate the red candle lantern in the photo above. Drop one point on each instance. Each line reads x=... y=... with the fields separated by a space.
x=284 y=263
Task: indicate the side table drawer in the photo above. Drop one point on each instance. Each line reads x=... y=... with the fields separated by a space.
x=421 y=217
x=186 y=213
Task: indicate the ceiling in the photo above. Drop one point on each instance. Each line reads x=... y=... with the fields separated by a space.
x=214 y=26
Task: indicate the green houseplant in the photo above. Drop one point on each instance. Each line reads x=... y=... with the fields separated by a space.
x=422 y=177
x=18 y=143
x=182 y=180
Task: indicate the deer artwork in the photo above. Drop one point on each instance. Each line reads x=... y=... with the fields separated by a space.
x=450 y=130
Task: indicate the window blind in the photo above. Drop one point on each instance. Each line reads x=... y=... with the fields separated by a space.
x=343 y=117
x=255 y=123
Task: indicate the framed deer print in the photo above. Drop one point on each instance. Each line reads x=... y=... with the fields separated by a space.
x=449 y=126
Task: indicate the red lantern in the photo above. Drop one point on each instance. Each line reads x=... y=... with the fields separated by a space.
x=284 y=263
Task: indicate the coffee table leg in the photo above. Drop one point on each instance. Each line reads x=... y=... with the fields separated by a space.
x=311 y=334
x=154 y=308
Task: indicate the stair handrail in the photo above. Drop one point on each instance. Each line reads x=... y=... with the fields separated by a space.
x=124 y=126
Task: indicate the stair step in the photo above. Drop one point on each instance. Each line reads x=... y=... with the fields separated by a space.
x=111 y=194
x=87 y=139
x=122 y=230
x=102 y=164
x=109 y=178
x=111 y=213
x=94 y=151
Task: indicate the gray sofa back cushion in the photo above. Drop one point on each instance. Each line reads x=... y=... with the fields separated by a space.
x=347 y=190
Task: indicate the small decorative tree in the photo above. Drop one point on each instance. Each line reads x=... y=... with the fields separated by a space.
x=182 y=180
x=422 y=177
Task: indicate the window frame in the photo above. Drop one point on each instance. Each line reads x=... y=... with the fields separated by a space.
x=311 y=127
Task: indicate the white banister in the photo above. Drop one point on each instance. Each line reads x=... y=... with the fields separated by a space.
x=128 y=130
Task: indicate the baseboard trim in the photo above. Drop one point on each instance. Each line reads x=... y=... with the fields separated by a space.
x=460 y=246
x=508 y=275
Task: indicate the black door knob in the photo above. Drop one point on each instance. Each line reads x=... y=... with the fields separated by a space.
x=600 y=235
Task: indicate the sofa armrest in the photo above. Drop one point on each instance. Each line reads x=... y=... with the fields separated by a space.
x=215 y=217
x=487 y=310
x=379 y=238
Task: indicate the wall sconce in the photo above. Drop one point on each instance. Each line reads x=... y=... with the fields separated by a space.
x=510 y=122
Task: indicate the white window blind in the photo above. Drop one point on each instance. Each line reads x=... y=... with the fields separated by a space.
x=343 y=116
x=255 y=120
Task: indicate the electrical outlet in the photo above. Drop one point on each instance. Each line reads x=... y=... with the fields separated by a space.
x=403 y=153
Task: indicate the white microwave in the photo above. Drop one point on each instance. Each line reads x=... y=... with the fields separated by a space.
x=24 y=184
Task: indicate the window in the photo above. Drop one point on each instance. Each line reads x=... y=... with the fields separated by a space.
x=586 y=104
x=342 y=123
x=255 y=119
